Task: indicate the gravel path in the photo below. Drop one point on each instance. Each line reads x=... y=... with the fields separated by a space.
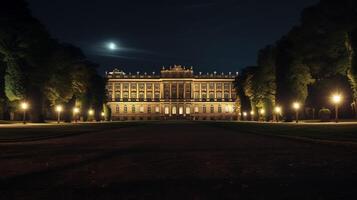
x=176 y=161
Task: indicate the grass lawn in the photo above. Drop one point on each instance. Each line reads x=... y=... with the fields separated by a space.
x=31 y=132
x=340 y=132
x=334 y=132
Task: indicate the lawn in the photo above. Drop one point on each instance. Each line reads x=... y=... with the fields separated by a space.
x=331 y=132
x=30 y=132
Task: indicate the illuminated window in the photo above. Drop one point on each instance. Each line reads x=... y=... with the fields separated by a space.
x=167 y=110
x=181 y=110
x=196 y=109
x=157 y=109
x=141 y=109
x=188 y=110
x=227 y=109
x=174 y=110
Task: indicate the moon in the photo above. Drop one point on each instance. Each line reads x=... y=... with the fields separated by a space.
x=112 y=46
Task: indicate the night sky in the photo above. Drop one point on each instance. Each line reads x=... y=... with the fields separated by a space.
x=215 y=35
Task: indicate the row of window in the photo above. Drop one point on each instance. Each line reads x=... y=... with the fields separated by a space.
x=150 y=95
x=156 y=86
x=175 y=110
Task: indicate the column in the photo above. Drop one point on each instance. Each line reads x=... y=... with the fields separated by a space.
x=215 y=91
x=121 y=91
x=200 y=88
x=230 y=92
x=145 y=88
x=129 y=92
x=113 y=89
x=170 y=84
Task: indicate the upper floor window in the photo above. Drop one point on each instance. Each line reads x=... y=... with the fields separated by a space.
x=133 y=109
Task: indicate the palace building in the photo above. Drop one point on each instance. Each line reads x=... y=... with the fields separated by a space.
x=176 y=93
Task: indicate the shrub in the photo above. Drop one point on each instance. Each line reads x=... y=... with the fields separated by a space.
x=325 y=115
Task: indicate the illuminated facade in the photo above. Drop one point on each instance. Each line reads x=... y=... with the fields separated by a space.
x=175 y=93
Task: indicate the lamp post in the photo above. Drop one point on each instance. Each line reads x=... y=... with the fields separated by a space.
x=278 y=113
x=245 y=114
x=24 y=107
x=296 y=107
x=252 y=114
x=103 y=116
x=75 y=113
x=59 y=109
x=262 y=113
x=91 y=113
x=336 y=99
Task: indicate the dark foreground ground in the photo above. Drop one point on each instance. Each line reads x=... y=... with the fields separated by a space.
x=178 y=160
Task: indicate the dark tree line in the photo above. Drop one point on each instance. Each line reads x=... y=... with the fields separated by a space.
x=38 y=69
x=311 y=61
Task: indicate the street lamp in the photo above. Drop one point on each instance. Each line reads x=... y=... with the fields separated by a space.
x=278 y=112
x=336 y=99
x=245 y=114
x=24 y=106
x=91 y=113
x=75 y=113
x=252 y=113
x=59 y=109
x=103 y=116
x=296 y=107
x=262 y=113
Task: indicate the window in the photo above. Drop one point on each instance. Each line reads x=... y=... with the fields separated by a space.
x=149 y=109
x=117 y=109
x=196 y=109
x=126 y=86
x=141 y=109
x=219 y=109
x=125 y=109
x=149 y=95
x=157 y=109
x=141 y=86
x=149 y=86
x=117 y=96
x=188 y=110
x=167 y=110
x=174 y=110
x=212 y=109
x=211 y=86
x=197 y=87
x=117 y=86
x=133 y=95
x=219 y=86
x=211 y=96
x=157 y=86
x=204 y=110
x=181 y=110
x=133 y=109
x=204 y=86
x=196 y=95
x=204 y=96
x=133 y=86
x=141 y=95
